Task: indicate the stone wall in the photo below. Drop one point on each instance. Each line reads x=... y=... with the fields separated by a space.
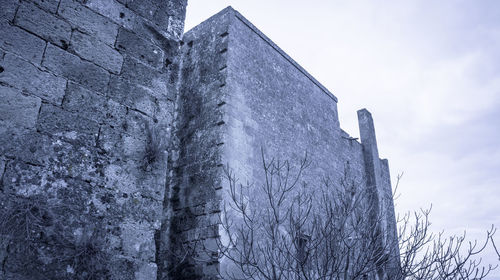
x=240 y=95
x=198 y=138
x=87 y=89
x=115 y=129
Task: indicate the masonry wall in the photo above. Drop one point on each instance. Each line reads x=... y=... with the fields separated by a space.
x=114 y=133
x=80 y=81
x=276 y=105
x=241 y=94
x=198 y=137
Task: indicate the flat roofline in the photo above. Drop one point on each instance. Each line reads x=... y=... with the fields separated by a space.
x=236 y=14
x=280 y=51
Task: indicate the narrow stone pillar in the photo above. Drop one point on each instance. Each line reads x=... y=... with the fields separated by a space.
x=370 y=150
x=379 y=187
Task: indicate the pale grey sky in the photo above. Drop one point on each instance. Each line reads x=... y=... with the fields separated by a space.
x=429 y=71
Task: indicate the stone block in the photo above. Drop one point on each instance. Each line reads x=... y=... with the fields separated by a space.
x=56 y=155
x=145 y=8
x=121 y=267
x=72 y=67
x=90 y=48
x=115 y=11
x=55 y=121
x=175 y=27
x=44 y=24
x=88 y=21
x=140 y=208
x=132 y=95
x=137 y=72
x=27 y=180
x=84 y=102
x=31 y=151
x=165 y=16
x=116 y=114
x=144 y=25
x=92 y=106
x=18 y=109
x=177 y=8
x=22 y=43
x=138 y=240
x=120 y=145
x=146 y=271
x=164 y=113
x=48 y=5
x=22 y=178
x=121 y=177
x=8 y=134
x=139 y=48
x=25 y=76
x=126 y=141
x=8 y=10
x=135 y=124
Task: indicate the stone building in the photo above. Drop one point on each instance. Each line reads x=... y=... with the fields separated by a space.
x=115 y=125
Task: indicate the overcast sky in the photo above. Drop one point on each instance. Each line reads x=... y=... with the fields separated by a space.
x=429 y=71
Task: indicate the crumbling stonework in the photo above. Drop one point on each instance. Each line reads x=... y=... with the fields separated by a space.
x=89 y=87
x=79 y=82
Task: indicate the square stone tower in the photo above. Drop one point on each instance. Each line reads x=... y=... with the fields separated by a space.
x=239 y=95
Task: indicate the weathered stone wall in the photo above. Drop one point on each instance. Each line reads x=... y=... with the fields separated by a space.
x=199 y=132
x=241 y=94
x=114 y=134
x=278 y=106
x=79 y=83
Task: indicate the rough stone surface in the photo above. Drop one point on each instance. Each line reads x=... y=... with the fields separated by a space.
x=165 y=17
x=197 y=173
x=88 y=21
x=91 y=49
x=141 y=49
x=132 y=95
x=18 y=109
x=22 y=43
x=92 y=106
x=141 y=74
x=56 y=121
x=44 y=24
x=48 y=5
x=25 y=76
x=112 y=119
x=72 y=67
x=72 y=137
x=146 y=272
x=8 y=9
x=123 y=16
x=2 y=166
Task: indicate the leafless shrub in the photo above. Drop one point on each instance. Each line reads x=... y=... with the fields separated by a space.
x=88 y=257
x=24 y=224
x=286 y=229
x=495 y=247
x=39 y=245
x=426 y=255
x=155 y=145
